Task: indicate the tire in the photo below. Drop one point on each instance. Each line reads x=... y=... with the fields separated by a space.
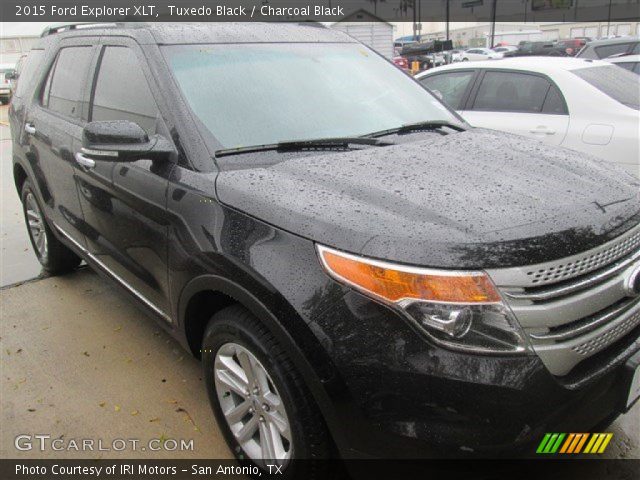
x=54 y=256
x=234 y=329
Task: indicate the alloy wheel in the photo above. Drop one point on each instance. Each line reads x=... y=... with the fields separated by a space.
x=37 y=230
x=251 y=405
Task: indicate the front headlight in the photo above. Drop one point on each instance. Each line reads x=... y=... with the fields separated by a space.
x=460 y=309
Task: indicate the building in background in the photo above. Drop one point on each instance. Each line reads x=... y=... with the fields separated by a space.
x=14 y=46
x=369 y=29
x=593 y=30
x=479 y=35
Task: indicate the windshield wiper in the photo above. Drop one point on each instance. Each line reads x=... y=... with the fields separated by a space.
x=412 y=127
x=293 y=145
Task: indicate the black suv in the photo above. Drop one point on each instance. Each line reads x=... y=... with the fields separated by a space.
x=361 y=272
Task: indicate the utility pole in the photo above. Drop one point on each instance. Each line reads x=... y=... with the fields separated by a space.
x=609 y=20
x=447 y=27
x=415 y=26
x=493 y=22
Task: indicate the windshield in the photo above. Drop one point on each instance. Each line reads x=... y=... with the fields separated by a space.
x=255 y=94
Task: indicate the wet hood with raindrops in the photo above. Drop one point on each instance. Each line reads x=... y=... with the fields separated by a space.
x=477 y=199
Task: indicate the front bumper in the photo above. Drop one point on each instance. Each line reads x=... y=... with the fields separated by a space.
x=409 y=398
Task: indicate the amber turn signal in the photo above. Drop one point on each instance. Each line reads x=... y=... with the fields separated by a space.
x=396 y=283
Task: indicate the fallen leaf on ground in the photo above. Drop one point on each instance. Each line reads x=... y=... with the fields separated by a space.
x=101 y=404
x=116 y=408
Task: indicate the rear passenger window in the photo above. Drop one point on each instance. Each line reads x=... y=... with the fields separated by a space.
x=451 y=85
x=65 y=82
x=554 y=104
x=511 y=92
x=122 y=91
x=27 y=71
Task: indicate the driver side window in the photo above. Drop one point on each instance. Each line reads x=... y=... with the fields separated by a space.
x=122 y=92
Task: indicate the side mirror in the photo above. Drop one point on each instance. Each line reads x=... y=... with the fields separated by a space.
x=11 y=75
x=123 y=141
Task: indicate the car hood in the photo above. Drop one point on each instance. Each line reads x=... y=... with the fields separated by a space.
x=476 y=199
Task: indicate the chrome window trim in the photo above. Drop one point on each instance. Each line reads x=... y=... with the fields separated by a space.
x=115 y=276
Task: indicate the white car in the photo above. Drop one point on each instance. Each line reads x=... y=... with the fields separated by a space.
x=630 y=62
x=504 y=48
x=587 y=105
x=5 y=83
x=475 y=54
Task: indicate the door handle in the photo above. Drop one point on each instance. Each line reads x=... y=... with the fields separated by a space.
x=29 y=128
x=84 y=161
x=542 y=130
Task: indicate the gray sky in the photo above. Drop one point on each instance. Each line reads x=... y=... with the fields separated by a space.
x=22 y=28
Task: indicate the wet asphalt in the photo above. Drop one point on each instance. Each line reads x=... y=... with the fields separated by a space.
x=79 y=361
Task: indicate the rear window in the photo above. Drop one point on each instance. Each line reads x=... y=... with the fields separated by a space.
x=615 y=82
x=28 y=70
x=608 y=50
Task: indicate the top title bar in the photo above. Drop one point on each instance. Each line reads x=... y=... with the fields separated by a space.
x=319 y=10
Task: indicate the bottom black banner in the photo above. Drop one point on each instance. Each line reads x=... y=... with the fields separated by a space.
x=569 y=469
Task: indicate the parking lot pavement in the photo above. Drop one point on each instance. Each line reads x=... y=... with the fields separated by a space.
x=79 y=360
x=17 y=261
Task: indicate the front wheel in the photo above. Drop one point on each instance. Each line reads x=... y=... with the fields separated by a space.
x=263 y=407
x=54 y=256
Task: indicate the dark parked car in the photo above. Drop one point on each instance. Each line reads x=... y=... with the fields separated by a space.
x=359 y=270
x=613 y=47
x=529 y=49
x=428 y=54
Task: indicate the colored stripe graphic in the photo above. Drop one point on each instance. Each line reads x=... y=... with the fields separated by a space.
x=593 y=441
x=606 y=441
x=581 y=442
x=567 y=442
x=550 y=443
x=573 y=443
x=543 y=443
x=555 y=447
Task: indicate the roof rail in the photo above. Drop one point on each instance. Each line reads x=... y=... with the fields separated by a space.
x=65 y=27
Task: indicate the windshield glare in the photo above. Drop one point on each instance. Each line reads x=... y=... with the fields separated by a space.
x=255 y=94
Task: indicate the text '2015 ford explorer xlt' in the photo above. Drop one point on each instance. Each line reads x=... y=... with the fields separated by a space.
x=360 y=271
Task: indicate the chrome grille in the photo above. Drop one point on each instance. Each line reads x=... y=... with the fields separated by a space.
x=576 y=306
x=588 y=263
x=604 y=340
